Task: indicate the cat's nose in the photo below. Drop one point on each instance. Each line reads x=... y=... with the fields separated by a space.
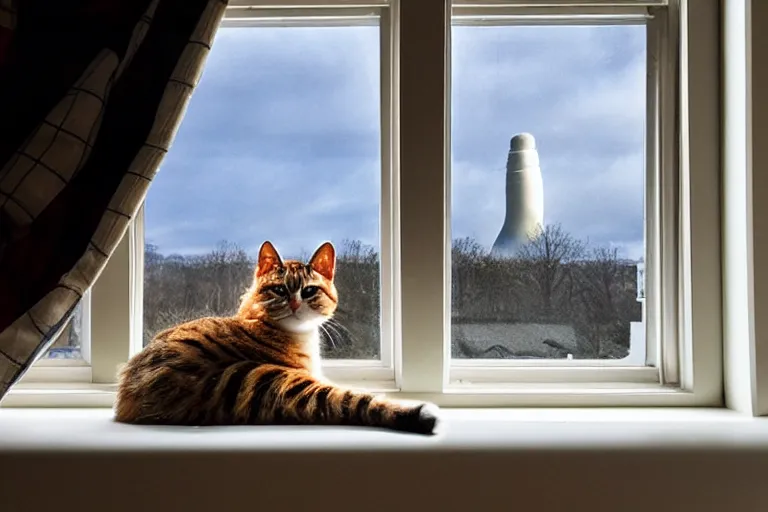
x=294 y=303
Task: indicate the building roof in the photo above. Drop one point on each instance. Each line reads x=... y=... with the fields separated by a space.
x=513 y=340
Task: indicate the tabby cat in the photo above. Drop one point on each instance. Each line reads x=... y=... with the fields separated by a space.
x=260 y=366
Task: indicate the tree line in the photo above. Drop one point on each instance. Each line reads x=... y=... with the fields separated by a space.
x=554 y=279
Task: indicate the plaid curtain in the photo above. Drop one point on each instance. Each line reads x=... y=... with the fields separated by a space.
x=91 y=94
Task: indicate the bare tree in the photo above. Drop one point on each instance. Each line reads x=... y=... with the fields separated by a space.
x=355 y=330
x=485 y=287
x=553 y=279
x=229 y=272
x=601 y=275
x=548 y=259
x=178 y=288
x=606 y=302
x=466 y=261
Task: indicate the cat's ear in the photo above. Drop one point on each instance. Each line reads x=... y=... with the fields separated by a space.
x=269 y=259
x=324 y=261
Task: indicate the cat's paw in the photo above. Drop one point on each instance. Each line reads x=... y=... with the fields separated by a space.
x=420 y=419
x=429 y=418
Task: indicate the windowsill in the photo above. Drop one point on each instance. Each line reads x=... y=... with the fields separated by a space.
x=600 y=460
x=530 y=395
x=42 y=430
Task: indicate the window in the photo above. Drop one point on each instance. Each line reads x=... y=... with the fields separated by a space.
x=70 y=344
x=68 y=358
x=576 y=287
x=535 y=109
x=396 y=129
x=285 y=129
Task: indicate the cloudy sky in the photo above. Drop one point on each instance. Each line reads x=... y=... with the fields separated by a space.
x=281 y=138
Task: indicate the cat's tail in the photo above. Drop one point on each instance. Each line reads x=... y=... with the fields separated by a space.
x=275 y=395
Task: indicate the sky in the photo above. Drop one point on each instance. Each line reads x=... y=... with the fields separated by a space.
x=281 y=138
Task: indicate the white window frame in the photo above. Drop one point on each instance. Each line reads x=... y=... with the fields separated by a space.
x=377 y=374
x=415 y=225
x=51 y=370
x=661 y=85
x=677 y=213
x=626 y=370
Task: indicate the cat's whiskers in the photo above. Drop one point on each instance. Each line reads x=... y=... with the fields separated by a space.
x=337 y=328
x=328 y=335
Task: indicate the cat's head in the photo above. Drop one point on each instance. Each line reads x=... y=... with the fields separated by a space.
x=295 y=296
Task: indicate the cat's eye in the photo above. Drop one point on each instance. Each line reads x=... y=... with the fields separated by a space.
x=308 y=291
x=279 y=290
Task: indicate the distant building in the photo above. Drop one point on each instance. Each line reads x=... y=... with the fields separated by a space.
x=638 y=350
x=524 y=196
x=513 y=341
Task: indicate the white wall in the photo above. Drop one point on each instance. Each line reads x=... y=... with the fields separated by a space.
x=758 y=174
x=745 y=208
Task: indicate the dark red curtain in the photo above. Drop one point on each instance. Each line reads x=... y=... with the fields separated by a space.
x=91 y=93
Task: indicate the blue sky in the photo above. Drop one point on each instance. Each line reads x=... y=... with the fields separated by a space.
x=281 y=137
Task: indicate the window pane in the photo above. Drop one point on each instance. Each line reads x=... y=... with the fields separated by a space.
x=548 y=179
x=281 y=142
x=69 y=343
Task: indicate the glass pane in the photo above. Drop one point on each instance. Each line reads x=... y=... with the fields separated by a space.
x=548 y=179
x=69 y=343
x=281 y=142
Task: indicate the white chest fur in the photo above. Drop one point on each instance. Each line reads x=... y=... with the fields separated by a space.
x=311 y=346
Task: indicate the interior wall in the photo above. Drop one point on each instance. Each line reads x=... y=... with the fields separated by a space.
x=745 y=212
x=757 y=62
x=536 y=480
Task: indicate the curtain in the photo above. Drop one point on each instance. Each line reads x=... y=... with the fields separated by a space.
x=91 y=95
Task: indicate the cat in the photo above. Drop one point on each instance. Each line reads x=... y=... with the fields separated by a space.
x=259 y=366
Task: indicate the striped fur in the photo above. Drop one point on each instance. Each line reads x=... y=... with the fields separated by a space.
x=260 y=366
